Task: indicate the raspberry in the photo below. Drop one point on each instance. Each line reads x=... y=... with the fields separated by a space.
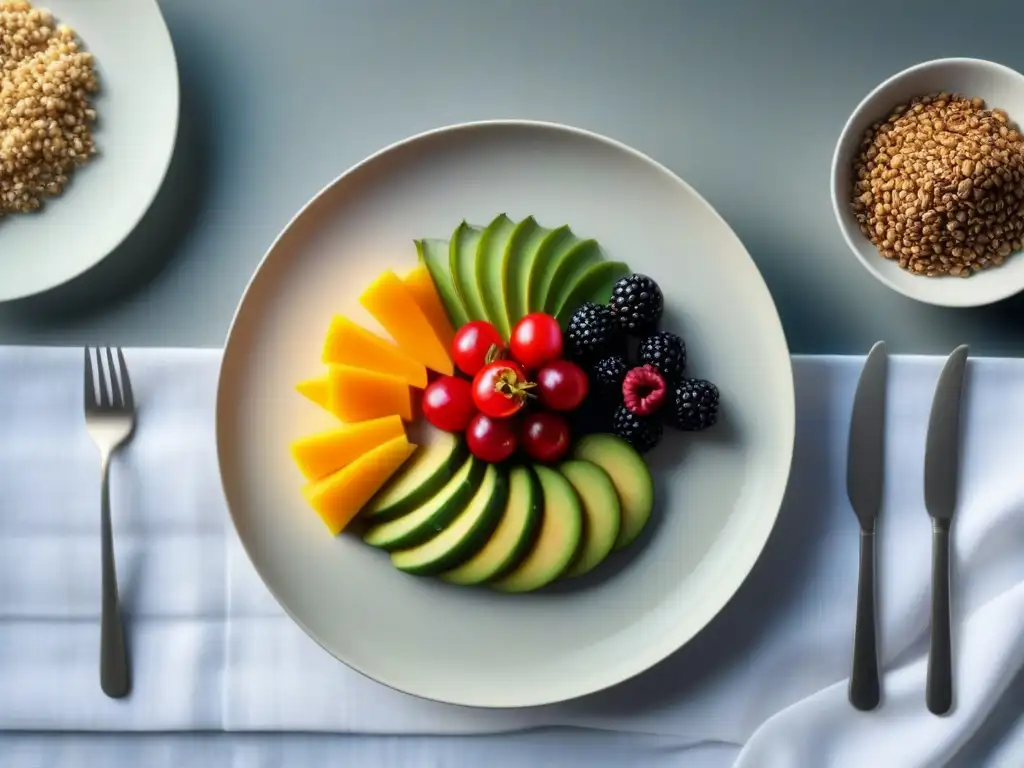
x=643 y=390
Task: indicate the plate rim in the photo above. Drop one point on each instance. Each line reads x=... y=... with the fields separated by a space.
x=742 y=574
x=143 y=210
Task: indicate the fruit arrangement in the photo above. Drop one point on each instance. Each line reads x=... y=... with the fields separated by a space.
x=540 y=368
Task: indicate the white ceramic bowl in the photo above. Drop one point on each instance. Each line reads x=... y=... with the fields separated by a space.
x=1000 y=87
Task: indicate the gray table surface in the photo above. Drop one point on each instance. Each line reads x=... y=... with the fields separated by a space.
x=742 y=98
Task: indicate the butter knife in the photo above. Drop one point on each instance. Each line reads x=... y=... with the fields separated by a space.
x=941 y=481
x=865 y=472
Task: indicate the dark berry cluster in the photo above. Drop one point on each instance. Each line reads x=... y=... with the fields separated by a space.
x=636 y=396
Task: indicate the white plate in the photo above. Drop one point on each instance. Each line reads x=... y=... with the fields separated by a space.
x=135 y=134
x=719 y=492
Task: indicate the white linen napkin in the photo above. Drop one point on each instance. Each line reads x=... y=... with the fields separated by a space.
x=212 y=650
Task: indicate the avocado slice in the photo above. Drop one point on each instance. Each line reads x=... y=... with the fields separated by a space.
x=431 y=516
x=465 y=535
x=595 y=284
x=429 y=469
x=462 y=265
x=602 y=516
x=491 y=252
x=571 y=266
x=630 y=476
x=544 y=263
x=434 y=254
x=557 y=541
x=522 y=249
x=512 y=538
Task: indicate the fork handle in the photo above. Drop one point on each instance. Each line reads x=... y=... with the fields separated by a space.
x=114 y=677
x=939 y=689
x=865 y=691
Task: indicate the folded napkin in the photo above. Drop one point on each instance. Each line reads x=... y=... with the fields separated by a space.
x=212 y=650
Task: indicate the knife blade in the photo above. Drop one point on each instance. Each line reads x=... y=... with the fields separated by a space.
x=865 y=473
x=941 y=485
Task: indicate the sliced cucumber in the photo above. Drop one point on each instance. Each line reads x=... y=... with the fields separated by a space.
x=558 y=242
x=491 y=252
x=595 y=284
x=434 y=254
x=523 y=247
x=573 y=264
x=466 y=534
x=557 y=541
x=431 y=516
x=462 y=265
x=630 y=476
x=422 y=476
x=512 y=538
x=602 y=517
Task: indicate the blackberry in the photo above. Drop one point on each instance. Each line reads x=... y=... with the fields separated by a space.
x=592 y=333
x=592 y=416
x=607 y=377
x=694 y=405
x=666 y=352
x=636 y=304
x=642 y=432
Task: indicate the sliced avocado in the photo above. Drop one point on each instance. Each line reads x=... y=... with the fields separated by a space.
x=491 y=251
x=520 y=252
x=462 y=260
x=602 y=516
x=465 y=535
x=512 y=538
x=419 y=479
x=595 y=284
x=557 y=540
x=544 y=264
x=435 y=255
x=433 y=515
x=571 y=266
x=630 y=476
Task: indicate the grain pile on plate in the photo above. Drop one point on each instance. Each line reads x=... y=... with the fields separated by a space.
x=939 y=186
x=46 y=117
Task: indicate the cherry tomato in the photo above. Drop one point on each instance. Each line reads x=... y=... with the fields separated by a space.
x=490 y=439
x=472 y=343
x=562 y=385
x=536 y=340
x=545 y=436
x=448 y=403
x=500 y=388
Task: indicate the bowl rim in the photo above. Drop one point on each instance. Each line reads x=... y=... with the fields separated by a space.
x=844 y=218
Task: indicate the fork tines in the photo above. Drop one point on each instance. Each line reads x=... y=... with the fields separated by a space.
x=111 y=388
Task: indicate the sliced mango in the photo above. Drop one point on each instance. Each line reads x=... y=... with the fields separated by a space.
x=322 y=453
x=348 y=343
x=356 y=394
x=338 y=497
x=315 y=389
x=393 y=306
x=424 y=293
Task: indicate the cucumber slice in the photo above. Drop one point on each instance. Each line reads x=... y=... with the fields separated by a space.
x=557 y=541
x=422 y=476
x=431 y=516
x=595 y=284
x=491 y=252
x=522 y=250
x=572 y=265
x=512 y=538
x=435 y=255
x=545 y=262
x=602 y=517
x=462 y=265
x=630 y=476
x=466 y=534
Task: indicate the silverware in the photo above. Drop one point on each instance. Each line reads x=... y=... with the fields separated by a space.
x=941 y=477
x=865 y=472
x=109 y=419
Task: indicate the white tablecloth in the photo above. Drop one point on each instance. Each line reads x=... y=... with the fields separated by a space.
x=765 y=683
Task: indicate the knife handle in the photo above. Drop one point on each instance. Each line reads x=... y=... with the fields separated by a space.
x=939 y=692
x=864 y=686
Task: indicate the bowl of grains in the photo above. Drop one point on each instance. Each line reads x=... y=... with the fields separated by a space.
x=928 y=182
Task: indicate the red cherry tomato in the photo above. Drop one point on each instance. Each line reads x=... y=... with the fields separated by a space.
x=490 y=439
x=472 y=342
x=448 y=403
x=536 y=340
x=562 y=385
x=500 y=387
x=545 y=436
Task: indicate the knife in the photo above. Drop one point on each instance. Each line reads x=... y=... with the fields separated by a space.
x=865 y=471
x=941 y=479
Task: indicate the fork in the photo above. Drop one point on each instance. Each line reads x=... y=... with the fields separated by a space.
x=109 y=420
